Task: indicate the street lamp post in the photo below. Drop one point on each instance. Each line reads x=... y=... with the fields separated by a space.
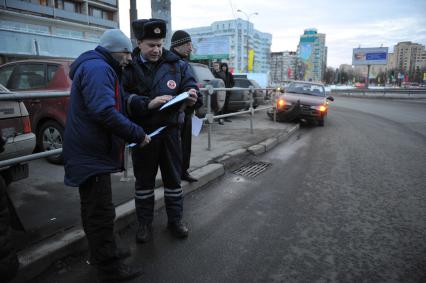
x=247 y=33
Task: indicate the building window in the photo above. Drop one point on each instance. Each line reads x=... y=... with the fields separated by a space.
x=67 y=6
x=101 y=14
x=97 y=13
x=70 y=6
x=107 y=15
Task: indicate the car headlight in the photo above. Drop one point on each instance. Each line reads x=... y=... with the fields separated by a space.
x=321 y=108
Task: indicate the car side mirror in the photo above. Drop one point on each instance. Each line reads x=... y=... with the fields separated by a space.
x=330 y=98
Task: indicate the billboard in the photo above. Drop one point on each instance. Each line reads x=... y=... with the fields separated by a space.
x=370 y=56
x=216 y=47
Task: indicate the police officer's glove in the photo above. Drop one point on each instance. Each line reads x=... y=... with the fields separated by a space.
x=146 y=141
x=158 y=101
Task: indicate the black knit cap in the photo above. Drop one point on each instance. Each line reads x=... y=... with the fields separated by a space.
x=149 y=28
x=180 y=37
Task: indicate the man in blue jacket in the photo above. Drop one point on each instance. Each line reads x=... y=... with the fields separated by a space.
x=93 y=146
x=155 y=72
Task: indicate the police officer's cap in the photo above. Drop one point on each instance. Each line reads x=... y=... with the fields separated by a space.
x=149 y=28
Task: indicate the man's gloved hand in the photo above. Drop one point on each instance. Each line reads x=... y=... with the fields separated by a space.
x=158 y=101
x=192 y=99
x=2 y=143
x=146 y=141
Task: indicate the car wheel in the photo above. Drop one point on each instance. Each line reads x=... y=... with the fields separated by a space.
x=49 y=137
x=321 y=122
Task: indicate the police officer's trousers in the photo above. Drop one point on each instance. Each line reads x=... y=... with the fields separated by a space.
x=163 y=151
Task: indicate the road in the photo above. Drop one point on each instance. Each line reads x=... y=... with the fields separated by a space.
x=342 y=203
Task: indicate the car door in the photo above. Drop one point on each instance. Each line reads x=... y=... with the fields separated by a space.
x=28 y=77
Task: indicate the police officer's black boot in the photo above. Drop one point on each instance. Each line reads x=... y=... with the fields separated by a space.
x=144 y=233
x=178 y=229
x=116 y=272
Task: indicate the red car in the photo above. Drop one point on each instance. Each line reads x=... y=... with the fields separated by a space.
x=47 y=115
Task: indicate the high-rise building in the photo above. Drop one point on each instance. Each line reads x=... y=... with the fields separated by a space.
x=313 y=53
x=283 y=66
x=231 y=41
x=53 y=28
x=409 y=56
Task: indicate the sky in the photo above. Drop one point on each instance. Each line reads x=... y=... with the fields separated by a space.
x=347 y=24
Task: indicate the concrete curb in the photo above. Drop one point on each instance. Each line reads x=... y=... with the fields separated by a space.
x=39 y=257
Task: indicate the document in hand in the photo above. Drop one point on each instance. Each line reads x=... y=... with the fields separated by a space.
x=176 y=99
x=154 y=133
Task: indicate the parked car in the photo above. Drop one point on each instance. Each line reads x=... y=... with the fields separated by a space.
x=302 y=100
x=19 y=140
x=239 y=100
x=258 y=95
x=47 y=115
x=205 y=77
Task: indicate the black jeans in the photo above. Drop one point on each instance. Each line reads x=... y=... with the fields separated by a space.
x=98 y=214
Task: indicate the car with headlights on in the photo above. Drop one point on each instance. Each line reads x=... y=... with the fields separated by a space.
x=302 y=101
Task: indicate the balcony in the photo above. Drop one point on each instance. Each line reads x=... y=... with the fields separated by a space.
x=109 y=2
x=59 y=13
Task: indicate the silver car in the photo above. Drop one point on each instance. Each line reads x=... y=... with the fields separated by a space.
x=15 y=129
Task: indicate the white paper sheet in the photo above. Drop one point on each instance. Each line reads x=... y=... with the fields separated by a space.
x=154 y=133
x=174 y=100
x=197 y=124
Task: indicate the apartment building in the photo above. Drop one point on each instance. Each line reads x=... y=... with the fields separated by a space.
x=53 y=28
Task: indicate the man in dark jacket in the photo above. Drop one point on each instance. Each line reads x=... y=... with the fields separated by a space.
x=93 y=146
x=228 y=79
x=155 y=72
x=181 y=45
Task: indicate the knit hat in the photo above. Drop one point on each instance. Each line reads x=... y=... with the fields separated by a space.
x=114 y=40
x=180 y=37
x=149 y=28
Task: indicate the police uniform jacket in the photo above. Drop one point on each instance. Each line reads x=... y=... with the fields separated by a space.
x=143 y=82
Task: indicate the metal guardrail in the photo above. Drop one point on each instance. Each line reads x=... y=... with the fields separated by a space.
x=209 y=118
x=385 y=90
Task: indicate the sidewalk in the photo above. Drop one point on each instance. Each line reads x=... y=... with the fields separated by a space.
x=231 y=143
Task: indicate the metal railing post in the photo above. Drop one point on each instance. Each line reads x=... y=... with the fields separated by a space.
x=251 y=90
x=125 y=177
x=274 y=104
x=209 y=116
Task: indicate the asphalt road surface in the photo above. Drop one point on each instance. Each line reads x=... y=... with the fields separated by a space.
x=340 y=203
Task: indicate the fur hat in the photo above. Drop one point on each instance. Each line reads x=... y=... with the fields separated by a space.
x=114 y=40
x=149 y=28
x=180 y=37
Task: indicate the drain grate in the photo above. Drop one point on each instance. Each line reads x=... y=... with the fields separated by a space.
x=252 y=169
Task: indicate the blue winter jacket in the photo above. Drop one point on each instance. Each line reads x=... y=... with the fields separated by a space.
x=96 y=127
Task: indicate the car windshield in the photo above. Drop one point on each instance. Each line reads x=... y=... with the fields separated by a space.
x=3 y=89
x=306 y=88
x=202 y=73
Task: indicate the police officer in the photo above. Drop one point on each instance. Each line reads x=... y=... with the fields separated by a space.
x=156 y=72
x=181 y=45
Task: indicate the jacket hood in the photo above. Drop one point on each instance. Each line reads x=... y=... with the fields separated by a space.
x=99 y=53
